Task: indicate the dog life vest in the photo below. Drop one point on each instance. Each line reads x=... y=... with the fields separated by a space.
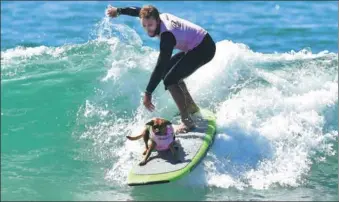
x=163 y=141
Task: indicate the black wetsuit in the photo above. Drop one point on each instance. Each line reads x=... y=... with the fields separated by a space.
x=173 y=69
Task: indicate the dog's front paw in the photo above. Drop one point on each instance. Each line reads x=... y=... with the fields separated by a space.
x=177 y=159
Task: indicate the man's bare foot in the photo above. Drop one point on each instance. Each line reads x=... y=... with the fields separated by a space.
x=183 y=128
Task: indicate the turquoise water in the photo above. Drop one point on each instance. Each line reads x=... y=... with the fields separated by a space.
x=71 y=84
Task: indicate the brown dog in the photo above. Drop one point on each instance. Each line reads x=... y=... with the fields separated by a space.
x=160 y=132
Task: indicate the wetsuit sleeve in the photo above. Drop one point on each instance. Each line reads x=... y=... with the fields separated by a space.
x=131 y=11
x=167 y=43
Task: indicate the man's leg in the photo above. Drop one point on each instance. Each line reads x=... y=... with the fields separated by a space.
x=179 y=93
x=171 y=82
x=185 y=65
x=192 y=107
x=180 y=100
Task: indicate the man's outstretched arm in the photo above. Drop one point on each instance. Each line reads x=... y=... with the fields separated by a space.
x=167 y=43
x=115 y=12
x=131 y=11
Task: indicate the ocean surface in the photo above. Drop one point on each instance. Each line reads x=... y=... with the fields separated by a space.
x=71 y=84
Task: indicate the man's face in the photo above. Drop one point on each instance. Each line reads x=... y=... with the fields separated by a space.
x=150 y=26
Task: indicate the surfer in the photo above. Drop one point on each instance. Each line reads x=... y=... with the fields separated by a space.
x=196 y=49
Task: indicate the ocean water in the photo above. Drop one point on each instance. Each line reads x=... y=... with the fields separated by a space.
x=71 y=84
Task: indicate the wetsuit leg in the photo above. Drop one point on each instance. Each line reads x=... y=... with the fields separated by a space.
x=190 y=62
x=174 y=59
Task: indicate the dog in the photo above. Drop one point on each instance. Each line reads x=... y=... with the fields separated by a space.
x=160 y=133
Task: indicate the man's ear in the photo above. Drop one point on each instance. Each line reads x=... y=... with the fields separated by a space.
x=150 y=123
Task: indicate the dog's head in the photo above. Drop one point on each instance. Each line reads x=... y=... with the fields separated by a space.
x=158 y=125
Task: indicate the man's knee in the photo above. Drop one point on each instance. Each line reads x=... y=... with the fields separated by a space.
x=211 y=54
x=168 y=81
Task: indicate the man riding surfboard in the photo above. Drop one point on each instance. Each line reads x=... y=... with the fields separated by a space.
x=196 y=46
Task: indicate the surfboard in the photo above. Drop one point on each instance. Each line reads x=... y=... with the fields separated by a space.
x=161 y=167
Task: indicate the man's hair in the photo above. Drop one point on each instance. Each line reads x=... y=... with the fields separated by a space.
x=148 y=12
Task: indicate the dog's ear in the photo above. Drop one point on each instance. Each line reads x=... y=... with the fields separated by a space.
x=150 y=123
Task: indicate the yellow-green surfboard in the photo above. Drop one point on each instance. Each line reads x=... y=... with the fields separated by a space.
x=191 y=147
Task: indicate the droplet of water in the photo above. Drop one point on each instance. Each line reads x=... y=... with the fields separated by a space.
x=277 y=7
